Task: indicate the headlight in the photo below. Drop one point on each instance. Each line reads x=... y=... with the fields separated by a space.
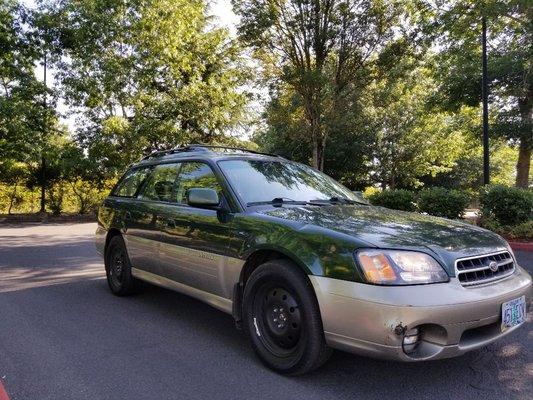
x=398 y=267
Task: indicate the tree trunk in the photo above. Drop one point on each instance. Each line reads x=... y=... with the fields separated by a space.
x=319 y=148
x=12 y=200
x=312 y=115
x=81 y=200
x=523 y=164
x=43 y=184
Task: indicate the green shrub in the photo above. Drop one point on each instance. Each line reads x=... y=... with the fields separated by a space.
x=397 y=199
x=522 y=231
x=508 y=205
x=492 y=224
x=441 y=202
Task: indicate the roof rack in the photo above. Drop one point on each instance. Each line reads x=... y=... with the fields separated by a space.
x=205 y=148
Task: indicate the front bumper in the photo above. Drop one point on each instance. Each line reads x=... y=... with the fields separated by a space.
x=370 y=320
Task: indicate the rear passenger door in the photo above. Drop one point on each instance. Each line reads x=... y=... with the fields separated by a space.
x=137 y=224
x=155 y=194
x=194 y=240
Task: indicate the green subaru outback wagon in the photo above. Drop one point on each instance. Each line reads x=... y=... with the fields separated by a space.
x=303 y=264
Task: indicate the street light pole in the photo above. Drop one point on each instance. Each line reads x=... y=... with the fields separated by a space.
x=485 y=95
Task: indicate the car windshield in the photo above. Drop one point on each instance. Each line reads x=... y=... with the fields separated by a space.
x=258 y=181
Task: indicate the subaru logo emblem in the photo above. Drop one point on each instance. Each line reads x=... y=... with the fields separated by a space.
x=493 y=265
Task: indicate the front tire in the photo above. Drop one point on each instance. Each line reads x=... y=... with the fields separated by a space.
x=118 y=268
x=282 y=319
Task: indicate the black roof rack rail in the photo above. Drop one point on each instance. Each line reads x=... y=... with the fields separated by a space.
x=202 y=147
x=232 y=148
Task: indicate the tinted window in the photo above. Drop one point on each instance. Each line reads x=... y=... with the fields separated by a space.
x=161 y=183
x=258 y=180
x=195 y=175
x=130 y=182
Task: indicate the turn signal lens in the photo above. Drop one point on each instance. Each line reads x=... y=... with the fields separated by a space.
x=399 y=267
x=377 y=268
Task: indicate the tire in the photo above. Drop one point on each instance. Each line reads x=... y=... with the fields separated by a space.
x=282 y=319
x=118 y=268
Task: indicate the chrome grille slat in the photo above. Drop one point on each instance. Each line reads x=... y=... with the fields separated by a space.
x=476 y=271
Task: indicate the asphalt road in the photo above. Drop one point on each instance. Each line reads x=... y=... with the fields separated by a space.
x=64 y=336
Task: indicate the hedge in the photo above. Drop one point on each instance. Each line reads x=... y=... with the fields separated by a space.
x=507 y=205
x=441 y=202
x=398 y=199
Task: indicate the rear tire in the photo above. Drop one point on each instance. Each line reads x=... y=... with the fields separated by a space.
x=118 y=268
x=282 y=319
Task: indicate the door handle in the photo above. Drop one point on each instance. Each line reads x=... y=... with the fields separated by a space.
x=127 y=215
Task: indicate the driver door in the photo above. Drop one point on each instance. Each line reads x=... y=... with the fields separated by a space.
x=194 y=241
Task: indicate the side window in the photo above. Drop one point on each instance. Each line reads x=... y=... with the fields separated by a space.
x=195 y=175
x=130 y=182
x=161 y=183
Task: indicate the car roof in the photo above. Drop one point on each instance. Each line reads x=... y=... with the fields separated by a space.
x=207 y=152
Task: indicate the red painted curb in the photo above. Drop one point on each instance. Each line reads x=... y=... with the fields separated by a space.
x=3 y=393
x=522 y=246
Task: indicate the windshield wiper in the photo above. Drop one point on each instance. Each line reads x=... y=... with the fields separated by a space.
x=279 y=201
x=337 y=200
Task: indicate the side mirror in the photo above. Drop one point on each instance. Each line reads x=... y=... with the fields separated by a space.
x=202 y=197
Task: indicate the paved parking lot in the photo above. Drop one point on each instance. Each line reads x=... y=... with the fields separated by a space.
x=64 y=336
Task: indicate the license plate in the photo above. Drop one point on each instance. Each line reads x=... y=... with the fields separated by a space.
x=513 y=313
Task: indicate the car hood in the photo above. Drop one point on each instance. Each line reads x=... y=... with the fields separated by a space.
x=385 y=228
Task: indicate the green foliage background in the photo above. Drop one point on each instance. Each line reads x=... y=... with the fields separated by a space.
x=380 y=94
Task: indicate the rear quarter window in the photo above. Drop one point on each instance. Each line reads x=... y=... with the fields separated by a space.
x=130 y=183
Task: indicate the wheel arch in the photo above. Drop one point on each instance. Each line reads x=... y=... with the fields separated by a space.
x=254 y=259
x=259 y=256
x=111 y=233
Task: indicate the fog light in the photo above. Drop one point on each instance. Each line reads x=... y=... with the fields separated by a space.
x=411 y=340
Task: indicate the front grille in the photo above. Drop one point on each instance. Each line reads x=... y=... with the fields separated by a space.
x=477 y=270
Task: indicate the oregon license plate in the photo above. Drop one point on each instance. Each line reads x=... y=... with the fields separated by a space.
x=513 y=313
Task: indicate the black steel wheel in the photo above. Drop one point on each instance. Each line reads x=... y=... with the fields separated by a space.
x=118 y=268
x=282 y=318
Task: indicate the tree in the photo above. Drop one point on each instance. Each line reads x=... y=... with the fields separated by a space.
x=27 y=106
x=457 y=25
x=49 y=175
x=147 y=75
x=43 y=31
x=285 y=133
x=383 y=133
x=318 y=48
x=20 y=92
x=84 y=178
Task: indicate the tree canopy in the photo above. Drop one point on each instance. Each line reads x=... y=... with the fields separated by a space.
x=455 y=26
x=378 y=94
x=148 y=75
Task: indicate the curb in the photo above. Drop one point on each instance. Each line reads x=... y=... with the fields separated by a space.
x=522 y=246
x=38 y=218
